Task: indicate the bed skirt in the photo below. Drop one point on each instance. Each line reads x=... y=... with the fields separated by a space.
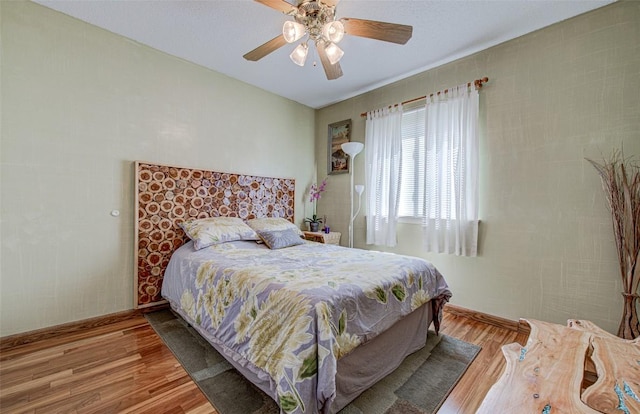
x=359 y=370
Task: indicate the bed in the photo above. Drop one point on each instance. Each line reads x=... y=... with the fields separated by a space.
x=310 y=324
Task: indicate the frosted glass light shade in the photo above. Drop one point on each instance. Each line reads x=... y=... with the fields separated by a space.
x=292 y=31
x=334 y=53
x=333 y=31
x=352 y=148
x=299 y=54
x=359 y=188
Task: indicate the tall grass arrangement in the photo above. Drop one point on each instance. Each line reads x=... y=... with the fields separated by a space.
x=621 y=183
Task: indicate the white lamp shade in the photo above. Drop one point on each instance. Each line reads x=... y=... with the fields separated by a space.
x=292 y=31
x=352 y=148
x=333 y=31
x=334 y=53
x=299 y=54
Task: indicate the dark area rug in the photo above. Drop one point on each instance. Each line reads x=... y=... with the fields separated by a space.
x=418 y=386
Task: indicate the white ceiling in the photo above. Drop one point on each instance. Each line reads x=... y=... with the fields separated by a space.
x=216 y=33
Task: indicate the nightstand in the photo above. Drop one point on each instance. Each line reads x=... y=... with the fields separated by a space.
x=322 y=237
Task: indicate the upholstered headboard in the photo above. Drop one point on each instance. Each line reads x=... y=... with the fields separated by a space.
x=166 y=196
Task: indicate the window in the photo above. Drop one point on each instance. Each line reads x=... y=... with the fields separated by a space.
x=413 y=185
x=412 y=170
x=424 y=169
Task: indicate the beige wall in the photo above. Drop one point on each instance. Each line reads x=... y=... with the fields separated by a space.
x=79 y=105
x=554 y=97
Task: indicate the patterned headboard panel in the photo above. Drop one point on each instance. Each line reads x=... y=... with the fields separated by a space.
x=167 y=196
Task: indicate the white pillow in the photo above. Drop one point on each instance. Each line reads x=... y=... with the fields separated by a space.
x=216 y=230
x=273 y=223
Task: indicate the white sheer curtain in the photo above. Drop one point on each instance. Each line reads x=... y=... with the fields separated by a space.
x=383 y=141
x=450 y=223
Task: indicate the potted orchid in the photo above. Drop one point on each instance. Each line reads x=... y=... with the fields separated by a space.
x=315 y=192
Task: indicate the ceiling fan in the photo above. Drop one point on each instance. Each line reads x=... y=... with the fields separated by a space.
x=317 y=20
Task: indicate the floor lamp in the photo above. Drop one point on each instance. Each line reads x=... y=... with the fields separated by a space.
x=352 y=149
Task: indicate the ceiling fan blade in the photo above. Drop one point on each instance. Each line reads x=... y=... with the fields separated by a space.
x=331 y=3
x=263 y=50
x=279 y=5
x=332 y=71
x=389 y=32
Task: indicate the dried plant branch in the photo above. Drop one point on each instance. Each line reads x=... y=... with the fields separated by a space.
x=621 y=183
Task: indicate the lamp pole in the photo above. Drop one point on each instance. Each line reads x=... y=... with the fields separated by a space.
x=352 y=149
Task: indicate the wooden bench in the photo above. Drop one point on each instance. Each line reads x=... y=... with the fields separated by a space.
x=574 y=369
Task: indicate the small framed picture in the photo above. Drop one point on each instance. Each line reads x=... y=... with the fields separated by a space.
x=339 y=133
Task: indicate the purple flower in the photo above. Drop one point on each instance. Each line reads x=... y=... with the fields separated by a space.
x=316 y=191
x=314 y=195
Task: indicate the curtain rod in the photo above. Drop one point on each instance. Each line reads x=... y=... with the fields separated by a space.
x=477 y=83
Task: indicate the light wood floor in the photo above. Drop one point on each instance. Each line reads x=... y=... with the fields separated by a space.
x=125 y=368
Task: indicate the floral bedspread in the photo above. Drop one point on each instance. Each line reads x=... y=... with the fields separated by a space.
x=292 y=313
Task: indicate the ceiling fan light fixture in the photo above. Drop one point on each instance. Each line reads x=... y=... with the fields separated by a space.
x=334 y=53
x=316 y=19
x=299 y=54
x=292 y=31
x=333 y=31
